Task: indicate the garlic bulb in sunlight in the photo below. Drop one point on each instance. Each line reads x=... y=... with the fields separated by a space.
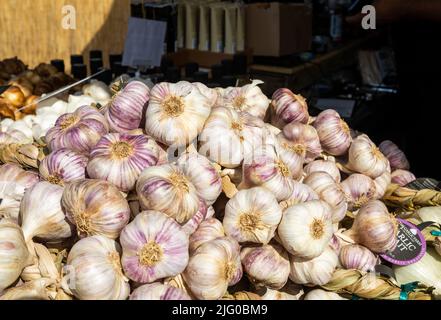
x=366 y=158
x=208 y=230
x=213 y=267
x=41 y=214
x=167 y=189
x=301 y=193
x=354 y=256
x=396 y=157
x=213 y=96
x=158 y=291
x=323 y=165
x=228 y=136
x=176 y=113
x=120 y=158
x=359 y=189
x=95 y=207
x=317 y=271
x=329 y=191
x=252 y=215
x=319 y=294
x=125 y=111
x=97 y=90
x=381 y=184
x=63 y=166
x=306 y=229
x=154 y=247
x=267 y=265
x=14 y=254
x=402 y=177
x=191 y=225
x=94 y=270
x=288 y=107
x=203 y=174
x=301 y=140
x=374 y=227
x=248 y=98
x=76 y=102
x=78 y=131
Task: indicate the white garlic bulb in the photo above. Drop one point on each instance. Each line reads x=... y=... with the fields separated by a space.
x=94 y=270
x=158 y=291
x=301 y=193
x=323 y=165
x=319 y=294
x=396 y=157
x=402 y=177
x=98 y=91
x=288 y=107
x=317 y=271
x=208 y=230
x=213 y=95
x=176 y=113
x=252 y=215
x=354 y=256
x=306 y=229
x=359 y=189
x=154 y=247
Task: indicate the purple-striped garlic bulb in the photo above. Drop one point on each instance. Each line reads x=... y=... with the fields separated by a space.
x=120 y=158
x=125 y=111
x=63 y=166
x=167 y=189
x=95 y=207
x=158 y=291
x=402 y=177
x=396 y=157
x=324 y=165
x=191 y=225
x=288 y=107
x=334 y=133
x=301 y=193
x=78 y=131
x=208 y=230
x=154 y=247
x=354 y=256
x=359 y=189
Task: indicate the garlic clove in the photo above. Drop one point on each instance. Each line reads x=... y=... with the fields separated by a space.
x=354 y=256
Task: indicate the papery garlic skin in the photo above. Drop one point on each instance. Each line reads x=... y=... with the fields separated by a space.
x=41 y=214
x=120 y=158
x=154 y=247
x=306 y=229
x=213 y=96
x=396 y=157
x=267 y=265
x=95 y=207
x=317 y=271
x=191 y=225
x=323 y=165
x=78 y=131
x=94 y=270
x=213 y=267
x=158 y=291
x=319 y=294
x=334 y=133
x=402 y=177
x=354 y=256
x=288 y=107
x=176 y=113
x=252 y=215
x=359 y=189
x=381 y=184
x=14 y=254
x=208 y=230
x=63 y=166
x=167 y=189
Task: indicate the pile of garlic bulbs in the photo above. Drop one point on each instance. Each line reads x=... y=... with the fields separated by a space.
x=185 y=192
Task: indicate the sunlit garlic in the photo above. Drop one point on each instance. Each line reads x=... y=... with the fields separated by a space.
x=354 y=256
x=208 y=230
x=359 y=189
x=324 y=165
x=288 y=107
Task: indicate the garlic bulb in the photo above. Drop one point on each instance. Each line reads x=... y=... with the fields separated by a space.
x=212 y=95
x=334 y=133
x=158 y=291
x=429 y=214
x=291 y=291
x=359 y=189
x=381 y=184
x=176 y=113
x=154 y=247
x=402 y=177
x=323 y=165
x=125 y=111
x=301 y=193
x=301 y=140
x=14 y=254
x=167 y=189
x=366 y=158
x=396 y=157
x=75 y=102
x=213 y=267
x=44 y=219
x=120 y=158
x=319 y=294
x=208 y=230
x=94 y=270
x=267 y=265
x=14 y=136
x=306 y=229
x=252 y=215
x=374 y=227
x=354 y=256
x=78 y=131
x=203 y=174
x=63 y=166
x=191 y=225
x=317 y=271
x=288 y=107
x=329 y=191
x=98 y=91
x=95 y=207
x=248 y=98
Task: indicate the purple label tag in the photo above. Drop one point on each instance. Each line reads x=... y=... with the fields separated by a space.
x=411 y=245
